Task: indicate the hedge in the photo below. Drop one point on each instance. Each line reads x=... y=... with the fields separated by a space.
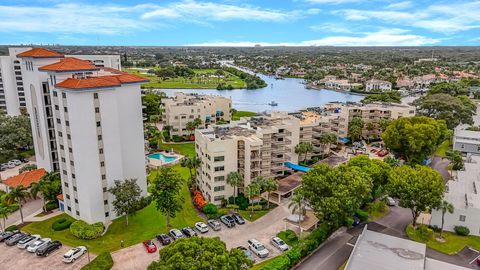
x=462 y=230
x=51 y=206
x=83 y=230
x=103 y=261
x=306 y=246
x=62 y=224
x=210 y=209
x=362 y=215
x=12 y=228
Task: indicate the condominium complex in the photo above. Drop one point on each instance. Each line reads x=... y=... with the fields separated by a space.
x=12 y=91
x=260 y=146
x=378 y=86
x=466 y=141
x=87 y=124
x=184 y=108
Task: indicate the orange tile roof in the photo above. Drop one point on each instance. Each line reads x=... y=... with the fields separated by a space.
x=100 y=81
x=25 y=179
x=60 y=197
x=70 y=64
x=40 y=53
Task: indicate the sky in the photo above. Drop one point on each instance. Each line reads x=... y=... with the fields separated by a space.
x=241 y=22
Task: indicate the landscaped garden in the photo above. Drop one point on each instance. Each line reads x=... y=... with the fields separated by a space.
x=237 y=114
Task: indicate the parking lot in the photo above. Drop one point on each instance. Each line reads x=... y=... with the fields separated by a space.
x=136 y=257
x=13 y=258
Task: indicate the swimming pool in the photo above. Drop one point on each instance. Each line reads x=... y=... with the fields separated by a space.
x=162 y=157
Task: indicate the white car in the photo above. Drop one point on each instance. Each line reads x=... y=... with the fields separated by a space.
x=10 y=165
x=258 y=248
x=24 y=243
x=279 y=243
x=37 y=244
x=391 y=201
x=74 y=254
x=201 y=227
x=16 y=162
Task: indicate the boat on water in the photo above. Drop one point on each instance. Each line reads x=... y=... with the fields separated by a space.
x=273 y=103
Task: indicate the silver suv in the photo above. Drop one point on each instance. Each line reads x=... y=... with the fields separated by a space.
x=258 y=248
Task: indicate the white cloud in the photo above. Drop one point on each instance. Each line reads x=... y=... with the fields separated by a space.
x=313 y=11
x=385 y=37
x=331 y=27
x=400 y=5
x=335 y=2
x=190 y=9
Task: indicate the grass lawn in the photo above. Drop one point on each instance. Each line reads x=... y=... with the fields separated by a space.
x=442 y=149
x=259 y=266
x=374 y=214
x=200 y=80
x=186 y=149
x=238 y=114
x=453 y=244
x=147 y=223
x=256 y=214
x=284 y=236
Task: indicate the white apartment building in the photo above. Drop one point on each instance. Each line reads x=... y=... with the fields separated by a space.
x=258 y=146
x=378 y=86
x=466 y=141
x=87 y=124
x=12 y=91
x=183 y=108
x=463 y=194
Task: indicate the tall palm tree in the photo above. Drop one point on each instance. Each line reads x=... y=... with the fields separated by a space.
x=445 y=207
x=303 y=148
x=297 y=204
x=269 y=184
x=18 y=195
x=252 y=190
x=191 y=163
x=327 y=139
x=4 y=212
x=234 y=179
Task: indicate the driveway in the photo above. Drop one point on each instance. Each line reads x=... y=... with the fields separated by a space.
x=136 y=257
x=440 y=164
x=29 y=208
x=13 y=258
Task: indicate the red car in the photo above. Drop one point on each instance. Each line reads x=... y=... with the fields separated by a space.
x=382 y=153
x=150 y=246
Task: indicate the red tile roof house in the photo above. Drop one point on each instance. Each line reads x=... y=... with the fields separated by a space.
x=24 y=179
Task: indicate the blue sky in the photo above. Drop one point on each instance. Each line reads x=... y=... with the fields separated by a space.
x=241 y=22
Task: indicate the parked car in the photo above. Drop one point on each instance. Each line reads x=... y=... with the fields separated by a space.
x=10 y=165
x=4 y=236
x=201 y=227
x=24 y=160
x=164 y=239
x=15 y=239
x=238 y=219
x=176 y=234
x=16 y=162
x=38 y=244
x=3 y=167
x=391 y=201
x=279 y=243
x=228 y=221
x=258 y=248
x=74 y=254
x=247 y=252
x=214 y=224
x=188 y=232
x=23 y=244
x=150 y=246
x=45 y=250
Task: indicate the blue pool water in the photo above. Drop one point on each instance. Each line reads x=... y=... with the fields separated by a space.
x=162 y=157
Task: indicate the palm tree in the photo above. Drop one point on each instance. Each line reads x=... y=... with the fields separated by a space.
x=269 y=185
x=252 y=190
x=445 y=207
x=369 y=126
x=303 y=148
x=234 y=179
x=327 y=139
x=4 y=211
x=18 y=195
x=191 y=163
x=297 y=204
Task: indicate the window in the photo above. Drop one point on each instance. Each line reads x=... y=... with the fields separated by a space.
x=221 y=158
x=70 y=150
x=64 y=172
x=69 y=208
x=68 y=196
x=219 y=168
x=60 y=134
x=55 y=93
x=71 y=163
x=219 y=188
x=64 y=95
x=65 y=109
x=56 y=107
x=69 y=137
x=104 y=189
x=74 y=188
x=104 y=177
x=105 y=202
x=65 y=184
x=219 y=178
x=76 y=201
x=98 y=123
x=97 y=109
x=61 y=146
x=100 y=151
x=107 y=214
x=99 y=137
x=462 y=218
x=95 y=95
x=102 y=164
x=58 y=120
x=218 y=198
x=78 y=213
x=73 y=175
x=63 y=159
x=67 y=123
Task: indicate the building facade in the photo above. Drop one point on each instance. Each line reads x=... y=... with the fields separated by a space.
x=184 y=108
x=378 y=86
x=87 y=124
x=463 y=194
x=466 y=141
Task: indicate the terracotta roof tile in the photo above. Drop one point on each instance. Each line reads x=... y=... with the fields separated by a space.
x=100 y=81
x=40 y=53
x=70 y=64
x=25 y=179
x=60 y=197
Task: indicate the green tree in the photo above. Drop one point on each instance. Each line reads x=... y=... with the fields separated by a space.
x=4 y=212
x=234 y=179
x=190 y=162
x=355 y=127
x=444 y=207
x=127 y=197
x=297 y=204
x=418 y=188
x=327 y=139
x=15 y=133
x=28 y=167
x=450 y=88
x=268 y=185
x=375 y=168
x=370 y=127
x=391 y=161
x=18 y=195
x=391 y=97
x=336 y=193
x=455 y=158
x=200 y=253
x=252 y=190
x=49 y=185
x=383 y=123
x=165 y=191
x=152 y=101
x=454 y=110
x=415 y=138
x=303 y=148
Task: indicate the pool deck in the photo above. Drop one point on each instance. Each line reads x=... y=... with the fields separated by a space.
x=156 y=163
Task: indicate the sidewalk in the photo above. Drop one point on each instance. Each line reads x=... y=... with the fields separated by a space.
x=33 y=218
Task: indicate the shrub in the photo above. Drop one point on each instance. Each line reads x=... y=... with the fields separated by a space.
x=294 y=256
x=435 y=228
x=153 y=143
x=177 y=138
x=240 y=200
x=28 y=167
x=462 y=230
x=255 y=208
x=232 y=206
x=279 y=263
x=83 y=230
x=362 y=215
x=198 y=200
x=103 y=261
x=424 y=233
x=11 y=228
x=51 y=205
x=288 y=236
x=143 y=202
x=62 y=224
x=217 y=215
x=210 y=209
x=377 y=206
